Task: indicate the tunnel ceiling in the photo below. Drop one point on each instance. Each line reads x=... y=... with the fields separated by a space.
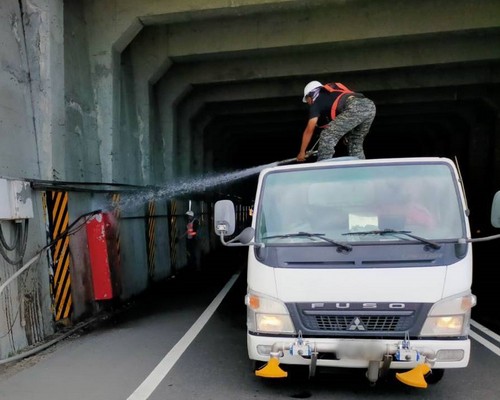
x=233 y=77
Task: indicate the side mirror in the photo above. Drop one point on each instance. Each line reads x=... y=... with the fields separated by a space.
x=495 y=210
x=224 y=218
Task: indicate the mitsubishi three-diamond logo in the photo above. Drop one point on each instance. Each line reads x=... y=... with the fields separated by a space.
x=356 y=325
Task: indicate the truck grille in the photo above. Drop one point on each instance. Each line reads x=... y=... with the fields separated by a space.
x=354 y=319
x=359 y=323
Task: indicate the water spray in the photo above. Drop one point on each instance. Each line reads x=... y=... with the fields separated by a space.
x=198 y=184
x=186 y=186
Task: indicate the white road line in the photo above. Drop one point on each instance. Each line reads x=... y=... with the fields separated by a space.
x=485 y=343
x=485 y=330
x=147 y=387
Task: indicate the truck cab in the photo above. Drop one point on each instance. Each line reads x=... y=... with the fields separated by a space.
x=358 y=264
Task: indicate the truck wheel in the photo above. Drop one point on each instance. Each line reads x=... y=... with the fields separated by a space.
x=298 y=373
x=257 y=364
x=434 y=376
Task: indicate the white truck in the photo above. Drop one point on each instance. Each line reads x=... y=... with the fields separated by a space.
x=359 y=264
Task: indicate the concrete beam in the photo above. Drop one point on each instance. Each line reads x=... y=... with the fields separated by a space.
x=420 y=53
x=261 y=24
x=117 y=20
x=331 y=25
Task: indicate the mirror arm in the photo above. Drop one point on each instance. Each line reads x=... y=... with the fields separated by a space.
x=231 y=243
x=483 y=239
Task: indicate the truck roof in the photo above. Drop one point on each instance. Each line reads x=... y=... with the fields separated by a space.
x=342 y=161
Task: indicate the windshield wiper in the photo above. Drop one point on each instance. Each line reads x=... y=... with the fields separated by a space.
x=321 y=236
x=382 y=232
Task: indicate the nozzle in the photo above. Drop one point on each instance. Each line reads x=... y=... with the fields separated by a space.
x=271 y=370
x=290 y=160
x=415 y=377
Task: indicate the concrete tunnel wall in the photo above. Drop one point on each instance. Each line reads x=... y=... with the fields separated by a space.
x=145 y=93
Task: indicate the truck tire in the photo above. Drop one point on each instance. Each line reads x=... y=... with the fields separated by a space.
x=434 y=376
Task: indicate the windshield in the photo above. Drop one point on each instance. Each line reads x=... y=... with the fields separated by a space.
x=338 y=202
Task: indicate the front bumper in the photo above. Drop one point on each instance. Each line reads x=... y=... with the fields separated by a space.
x=357 y=353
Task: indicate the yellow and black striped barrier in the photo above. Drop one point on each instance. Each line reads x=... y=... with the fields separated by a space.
x=151 y=238
x=58 y=221
x=115 y=201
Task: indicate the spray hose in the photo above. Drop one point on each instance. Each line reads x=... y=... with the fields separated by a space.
x=290 y=160
x=68 y=231
x=310 y=153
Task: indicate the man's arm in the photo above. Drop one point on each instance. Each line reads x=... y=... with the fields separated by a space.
x=306 y=138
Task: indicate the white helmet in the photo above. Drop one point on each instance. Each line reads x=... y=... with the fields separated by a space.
x=190 y=213
x=309 y=88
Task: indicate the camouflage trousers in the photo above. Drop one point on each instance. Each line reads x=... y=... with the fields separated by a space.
x=353 y=123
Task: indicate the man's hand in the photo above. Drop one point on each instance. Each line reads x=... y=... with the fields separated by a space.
x=301 y=156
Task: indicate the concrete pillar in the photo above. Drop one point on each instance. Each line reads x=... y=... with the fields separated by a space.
x=43 y=26
x=109 y=36
x=17 y=123
x=149 y=57
x=169 y=93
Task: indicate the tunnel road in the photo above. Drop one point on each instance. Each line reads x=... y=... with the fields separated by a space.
x=187 y=341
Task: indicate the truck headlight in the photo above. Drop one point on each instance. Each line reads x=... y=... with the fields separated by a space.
x=266 y=314
x=449 y=317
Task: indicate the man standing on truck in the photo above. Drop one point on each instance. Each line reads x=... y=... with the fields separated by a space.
x=340 y=112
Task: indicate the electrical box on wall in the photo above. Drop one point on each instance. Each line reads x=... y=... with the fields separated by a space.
x=15 y=199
